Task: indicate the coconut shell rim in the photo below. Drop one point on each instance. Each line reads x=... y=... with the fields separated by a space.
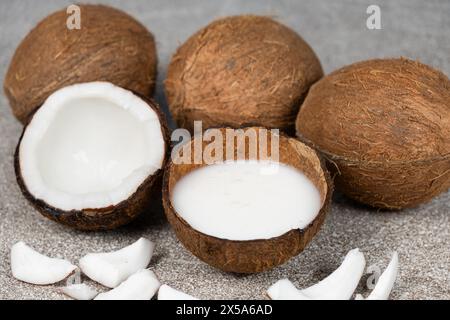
x=56 y=214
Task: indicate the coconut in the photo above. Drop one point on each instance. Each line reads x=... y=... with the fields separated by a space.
x=241 y=71
x=91 y=155
x=242 y=242
x=110 y=46
x=339 y=285
x=384 y=127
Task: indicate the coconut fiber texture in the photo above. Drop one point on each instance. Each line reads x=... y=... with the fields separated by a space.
x=385 y=127
x=110 y=46
x=241 y=71
x=337 y=32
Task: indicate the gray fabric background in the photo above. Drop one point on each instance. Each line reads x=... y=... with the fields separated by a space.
x=336 y=30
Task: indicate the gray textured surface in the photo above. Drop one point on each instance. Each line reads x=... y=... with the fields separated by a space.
x=337 y=32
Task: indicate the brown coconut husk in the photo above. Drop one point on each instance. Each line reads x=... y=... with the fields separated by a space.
x=384 y=126
x=110 y=46
x=114 y=216
x=253 y=255
x=241 y=71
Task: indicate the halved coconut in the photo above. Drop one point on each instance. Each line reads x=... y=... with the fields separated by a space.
x=243 y=216
x=91 y=154
x=30 y=266
x=339 y=285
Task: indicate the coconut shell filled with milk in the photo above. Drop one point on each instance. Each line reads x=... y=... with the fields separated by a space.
x=384 y=126
x=245 y=253
x=109 y=46
x=241 y=71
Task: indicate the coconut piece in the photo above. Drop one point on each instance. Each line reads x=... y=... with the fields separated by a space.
x=339 y=285
x=79 y=291
x=285 y=290
x=53 y=56
x=240 y=71
x=385 y=283
x=30 y=266
x=245 y=255
x=168 y=293
x=91 y=155
x=384 y=126
x=112 y=268
x=140 y=286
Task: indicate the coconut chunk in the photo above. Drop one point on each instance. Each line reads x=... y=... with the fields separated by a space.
x=79 y=291
x=140 y=286
x=30 y=266
x=285 y=290
x=168 y=293
x=112 y=268
x=385 y=283
x=339 y=285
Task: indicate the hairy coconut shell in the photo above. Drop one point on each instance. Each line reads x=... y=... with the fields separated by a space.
x=110 y=46
x=385 y=127
x=92 y=219
x=253 y=255
x=241 y=71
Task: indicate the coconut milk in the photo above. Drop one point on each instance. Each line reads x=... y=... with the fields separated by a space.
x=246 y=200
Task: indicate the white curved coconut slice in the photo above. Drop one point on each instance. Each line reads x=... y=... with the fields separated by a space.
x=385 y=283
x=79 y=291
x=140 y=286
x=30 y=266
x=339 y=285
x=168 y=293
x=112 y=268
x=285 y=290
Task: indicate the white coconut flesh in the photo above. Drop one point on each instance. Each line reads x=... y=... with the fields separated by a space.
x=339 y=285
x=90 y=145
x=112 y=268
x=33 y=267
x=385 y=283
x=166 y=292
x=246 y=200
x=142 y=285
x=79 y=291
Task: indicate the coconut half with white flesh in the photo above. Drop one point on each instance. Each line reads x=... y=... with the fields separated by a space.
x=112 y=268
x=33 y=267
x=91 y=154
x=249 y=215
x=339 y=285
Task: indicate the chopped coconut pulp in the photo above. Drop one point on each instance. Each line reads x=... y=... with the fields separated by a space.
x=90 y=146
x=246 y=200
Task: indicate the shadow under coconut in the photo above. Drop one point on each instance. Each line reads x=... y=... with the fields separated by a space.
x=153 y=217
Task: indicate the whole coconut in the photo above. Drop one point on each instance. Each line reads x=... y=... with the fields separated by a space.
x=240 y=71
x=384 y=125
x=110 y=46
